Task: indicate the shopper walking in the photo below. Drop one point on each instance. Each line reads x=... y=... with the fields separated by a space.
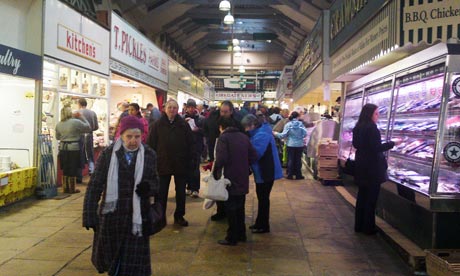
x=234 y=153
x=371 y=167
x=135 y=110
x=68 y=132
x=266 y=169
x=295 y=132
x=87 y=140
x=211 y=130
x=195 y=121
x=123 y=184
x=171 y=137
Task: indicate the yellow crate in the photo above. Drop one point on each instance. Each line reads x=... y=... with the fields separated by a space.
x=443 y=262
x=4 y=190
x=2 y=201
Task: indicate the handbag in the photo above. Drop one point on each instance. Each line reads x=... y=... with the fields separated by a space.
x=350 y=165
x=155 y=220
x=216 y=189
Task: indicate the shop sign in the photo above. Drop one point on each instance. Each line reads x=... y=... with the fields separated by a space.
x=71 y=37
x=129 y=46
x=238 y=96
x=270 y=94
x=350 y=16
x=76 y=43
x=137 y=75
x=19 y=63
x=364 y=44
x=311 y=54
x=425 y=21
x=285 y=83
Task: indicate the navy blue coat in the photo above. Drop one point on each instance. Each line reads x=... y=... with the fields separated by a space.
x=371 y=164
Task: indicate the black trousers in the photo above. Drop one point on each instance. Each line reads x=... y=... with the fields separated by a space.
x=365 y=208
x=220 y=208
x=234 y=207
x=179 y=182
x=263 y=197
x=193 y=177
x=295 y=161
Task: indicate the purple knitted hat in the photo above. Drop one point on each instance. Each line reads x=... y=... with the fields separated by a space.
x=129 y=122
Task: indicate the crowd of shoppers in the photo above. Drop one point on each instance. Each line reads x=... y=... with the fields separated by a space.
x=138 y=168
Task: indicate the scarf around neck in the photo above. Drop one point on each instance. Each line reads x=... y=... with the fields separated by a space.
x=111 y=193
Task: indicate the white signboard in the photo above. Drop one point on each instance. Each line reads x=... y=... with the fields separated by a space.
x=73 y=38
x=238 y=96
x=430 y=21
x=130 y=47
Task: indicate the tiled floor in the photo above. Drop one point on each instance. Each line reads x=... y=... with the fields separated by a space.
x=311 y=234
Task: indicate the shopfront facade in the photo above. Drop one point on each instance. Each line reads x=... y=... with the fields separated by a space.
x=76 y=65
x=20 y=78
x=139 y=69
x=415 y=92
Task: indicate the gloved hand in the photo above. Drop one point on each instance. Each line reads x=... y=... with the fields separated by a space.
x=143 y=189
x=91 y=227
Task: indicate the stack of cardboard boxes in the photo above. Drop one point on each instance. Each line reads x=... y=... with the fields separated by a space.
x=327 y=160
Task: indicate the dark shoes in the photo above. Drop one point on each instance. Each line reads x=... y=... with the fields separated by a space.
x=260 y=230
x=290 y=177
x=218 y=216
x=181 y=222
x=226 y=242
x=300 y=177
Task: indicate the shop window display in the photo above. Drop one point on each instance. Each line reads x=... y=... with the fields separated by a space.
x=64 y=85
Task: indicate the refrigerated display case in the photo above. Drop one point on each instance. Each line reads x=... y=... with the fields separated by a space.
x=419 y=110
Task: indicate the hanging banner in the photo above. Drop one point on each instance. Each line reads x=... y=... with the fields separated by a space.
x=129 y=46
x=429 y=22
x=238 y=96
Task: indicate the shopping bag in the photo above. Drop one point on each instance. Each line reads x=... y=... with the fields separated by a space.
x=349 y=167
x=155 y=220
x=208 y=203
x=215 y=189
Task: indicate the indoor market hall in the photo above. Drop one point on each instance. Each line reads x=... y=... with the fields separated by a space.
x=229 y=137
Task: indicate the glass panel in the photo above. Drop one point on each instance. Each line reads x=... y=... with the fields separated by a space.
x=449 y=170
x=414 y=129
x=353 y=107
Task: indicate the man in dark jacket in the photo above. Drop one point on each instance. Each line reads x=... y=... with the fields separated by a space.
x=172 y=139
x=195 y=120
x=234 y=153
x=211 y=130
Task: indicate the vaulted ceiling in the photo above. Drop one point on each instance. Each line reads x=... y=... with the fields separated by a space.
x=272 y=31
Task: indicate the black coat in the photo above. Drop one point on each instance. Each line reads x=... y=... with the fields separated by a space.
x=113 y=239
x=371 y=164
x=173 y=143
x=234 y=154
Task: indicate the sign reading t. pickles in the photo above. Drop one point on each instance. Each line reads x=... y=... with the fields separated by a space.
x=425 y=21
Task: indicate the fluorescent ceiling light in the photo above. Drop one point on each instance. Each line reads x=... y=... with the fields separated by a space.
x=228 y=19
x=235 y=42
x=224 y=5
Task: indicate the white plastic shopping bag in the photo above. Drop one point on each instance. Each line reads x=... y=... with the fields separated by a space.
x=215 y=189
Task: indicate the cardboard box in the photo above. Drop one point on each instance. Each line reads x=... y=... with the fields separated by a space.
x=330 y=173
x=330 y=150
x=327 y=162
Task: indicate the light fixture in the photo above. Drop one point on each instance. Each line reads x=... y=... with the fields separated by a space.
x=228 y=19
x=241 y=69
x=235 y=42
x=224 y=5
x=237 y=54
x=237 y=49
x=269 y=41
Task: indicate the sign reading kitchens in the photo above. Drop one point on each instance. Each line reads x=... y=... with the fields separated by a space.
x=71 y=41
x=133 y=49
x=430 y=21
